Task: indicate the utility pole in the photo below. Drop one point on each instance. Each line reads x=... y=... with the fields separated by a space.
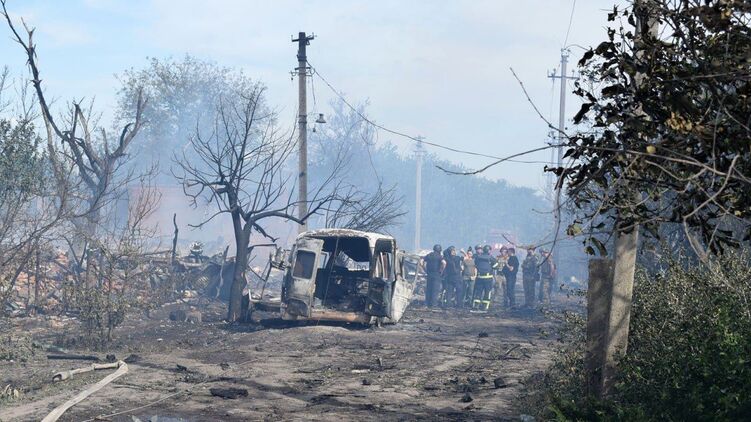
x=559 y=143
x=302 y=41
x=419 y=151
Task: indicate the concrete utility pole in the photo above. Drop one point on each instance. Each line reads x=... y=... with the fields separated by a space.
x=555 y=189
x=419 y=151
x=302 y=121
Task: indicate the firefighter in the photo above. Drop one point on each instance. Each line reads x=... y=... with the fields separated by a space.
x=530 y=275
x=547 y=277
x=486 y=265
x=434 y=265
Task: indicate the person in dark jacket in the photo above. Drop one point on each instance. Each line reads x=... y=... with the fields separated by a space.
x=511 y=269
x=434 y=265
x=530 y=275
x=486 y=265
x=452 y=278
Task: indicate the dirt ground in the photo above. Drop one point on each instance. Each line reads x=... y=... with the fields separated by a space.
x=433 y=365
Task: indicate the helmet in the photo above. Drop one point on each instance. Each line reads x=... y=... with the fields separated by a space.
x=486 y=249
x=437 y=248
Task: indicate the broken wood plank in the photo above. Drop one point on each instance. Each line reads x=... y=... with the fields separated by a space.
x=73 y=357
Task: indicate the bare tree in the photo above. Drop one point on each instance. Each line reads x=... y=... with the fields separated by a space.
x=358 y=210
x=80 y=176
x=96 y=159
x=118 y=266
x=240 y=169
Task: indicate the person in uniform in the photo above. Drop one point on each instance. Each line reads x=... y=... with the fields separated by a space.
x=547 y=277
x=469 y=274
x=530 y=275
x=486 y=265
x=478 y=250
x=434 y=265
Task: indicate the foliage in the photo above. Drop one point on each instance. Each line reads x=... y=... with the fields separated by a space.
x=666 y=106
x=181 y=97
x=688 y=351
x=15 y=347
x=21 y=162
x=102 y=309
x=22 y=179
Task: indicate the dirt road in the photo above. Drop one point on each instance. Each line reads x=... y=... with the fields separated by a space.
x=434 y=365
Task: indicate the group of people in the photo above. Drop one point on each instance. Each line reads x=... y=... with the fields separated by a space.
x=471 y=278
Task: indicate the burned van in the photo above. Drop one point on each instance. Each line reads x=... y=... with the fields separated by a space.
x=345 y=275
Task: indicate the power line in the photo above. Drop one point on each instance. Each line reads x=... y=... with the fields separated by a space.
x=570 y=20
x=404 y=135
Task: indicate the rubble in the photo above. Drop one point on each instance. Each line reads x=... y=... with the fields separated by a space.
x=9 y=392
x=499 y=382
x=181 y=315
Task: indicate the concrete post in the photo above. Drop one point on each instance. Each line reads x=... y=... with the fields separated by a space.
x=302 y=121
x=608 y=314
x=622 y=288
x=599 y=296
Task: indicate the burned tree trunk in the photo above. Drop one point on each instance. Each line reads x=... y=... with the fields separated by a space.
x=235 y=312
x=174 y=242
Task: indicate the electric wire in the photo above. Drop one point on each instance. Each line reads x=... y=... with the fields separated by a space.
x=570 y=21
x=404 y=135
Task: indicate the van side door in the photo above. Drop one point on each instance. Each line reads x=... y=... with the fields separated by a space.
x=403 y=290
x=302 y=276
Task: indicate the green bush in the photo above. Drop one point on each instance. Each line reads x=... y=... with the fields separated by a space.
x=688 y=353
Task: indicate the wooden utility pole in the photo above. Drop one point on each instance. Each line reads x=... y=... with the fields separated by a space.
x=302 y=41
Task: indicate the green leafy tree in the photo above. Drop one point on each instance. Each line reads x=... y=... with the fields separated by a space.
x=667 y=124
x=181 y=97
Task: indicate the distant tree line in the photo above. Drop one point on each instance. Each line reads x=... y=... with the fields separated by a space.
x=456 y=210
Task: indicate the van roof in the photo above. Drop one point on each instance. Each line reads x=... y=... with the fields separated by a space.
x=371 y=236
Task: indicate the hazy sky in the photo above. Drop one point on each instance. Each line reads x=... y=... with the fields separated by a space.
x=439 y=69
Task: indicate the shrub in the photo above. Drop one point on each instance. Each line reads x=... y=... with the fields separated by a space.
x=688 y=353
